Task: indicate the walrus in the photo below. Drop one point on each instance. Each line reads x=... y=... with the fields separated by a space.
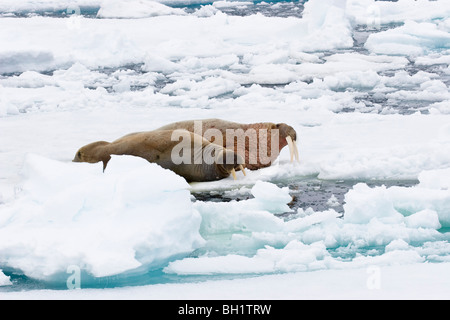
x=194 y=158
x=251 y=141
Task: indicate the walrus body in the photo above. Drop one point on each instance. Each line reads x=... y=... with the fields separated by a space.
x=186 y=158
x=258 y=143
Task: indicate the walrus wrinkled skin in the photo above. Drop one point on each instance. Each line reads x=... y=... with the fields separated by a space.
x=157 y=146
x=286 y=134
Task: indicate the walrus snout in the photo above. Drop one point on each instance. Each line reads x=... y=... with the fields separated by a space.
x=289 y=133
x=77 y=157
x=93 y=153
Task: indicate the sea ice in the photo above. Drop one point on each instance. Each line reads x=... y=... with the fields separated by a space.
x=4 y=280
x=242 y=237
x=63 y=84
x=426 y=205
x=374 y=13
x=133 y=9
x=31 y=5
x=105 y=223
x=411 y=39
x=426 y=219
x=295 y=256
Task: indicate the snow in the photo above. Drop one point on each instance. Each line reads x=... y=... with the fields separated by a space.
x=65 y=82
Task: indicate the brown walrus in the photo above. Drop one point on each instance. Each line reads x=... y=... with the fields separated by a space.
x=252 y=141
x=187 y=154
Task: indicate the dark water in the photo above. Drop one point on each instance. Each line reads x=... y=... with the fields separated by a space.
x=319 y=195
x=269 y=9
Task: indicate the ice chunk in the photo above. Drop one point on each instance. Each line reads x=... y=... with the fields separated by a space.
x=433 y=59
x=442 y=107
x=333 y=201
x=206 y=11
x=402 y=79
x=28 y=79
x=227 y=4
x=423 y=219
x=244 y=237
x=295 y=256
x=209 y=87
x=362 y=204
x=135 y=214
x=398 y=244
x=270 y=197
x=349 y=65
x=432 y=90
x=307 y=219
x=354 y=79
x=4 y=280
x=15 y=6
x=411 y=39
x=326 y=27
x=426 y=205
x=122 y=86
x=254 y=214
x=229 y=264
x=135 y=9
x=272 y=74
x=6 y=108
x=435 y=179
x=159 y=64
x=19 y=61
x=374 y=13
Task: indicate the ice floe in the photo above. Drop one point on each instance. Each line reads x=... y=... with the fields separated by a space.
x=73 y=214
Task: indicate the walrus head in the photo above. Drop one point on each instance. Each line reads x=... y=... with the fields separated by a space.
x=288 y=136
x=93 y=153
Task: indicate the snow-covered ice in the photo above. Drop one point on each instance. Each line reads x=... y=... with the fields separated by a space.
x=73 y=214
x=135 y=9
x=424 y=281
x=4 y=280
x=364 y=83
x=374 y=218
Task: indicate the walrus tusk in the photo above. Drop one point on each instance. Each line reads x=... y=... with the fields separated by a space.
x=291 y=147
x=297 y=157
x=242 y=169
x=233 y=173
